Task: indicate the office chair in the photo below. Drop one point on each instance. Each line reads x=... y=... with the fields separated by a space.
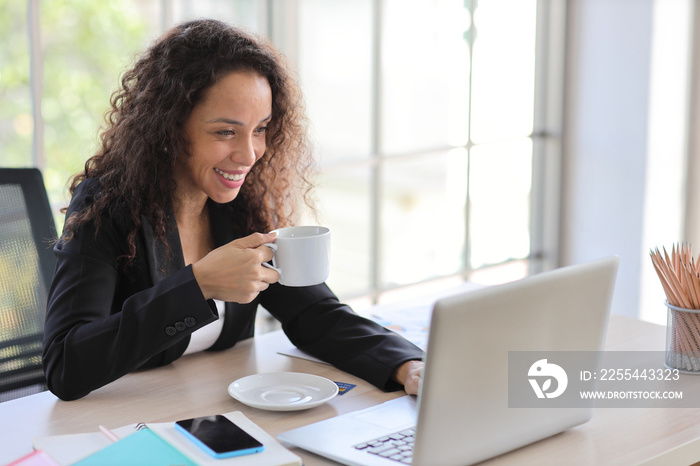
x=27 y=262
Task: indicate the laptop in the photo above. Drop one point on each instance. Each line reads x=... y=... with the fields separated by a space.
x=461 y=415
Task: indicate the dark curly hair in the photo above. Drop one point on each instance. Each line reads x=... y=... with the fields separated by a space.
x=144 y=136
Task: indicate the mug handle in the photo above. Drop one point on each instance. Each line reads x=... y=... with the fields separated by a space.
x=272 y=246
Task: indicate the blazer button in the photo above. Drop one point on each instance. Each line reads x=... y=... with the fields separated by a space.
x=170 y=331
x=180 y=326
x=190 y=321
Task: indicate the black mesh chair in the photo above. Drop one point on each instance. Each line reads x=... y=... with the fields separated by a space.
x=27 y=262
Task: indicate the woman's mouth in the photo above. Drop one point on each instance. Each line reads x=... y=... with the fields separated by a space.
x=230 y=176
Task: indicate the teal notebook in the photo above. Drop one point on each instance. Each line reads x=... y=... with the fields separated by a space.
x=144 y=447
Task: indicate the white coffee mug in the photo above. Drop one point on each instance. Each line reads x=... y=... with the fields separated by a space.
x=302 y=255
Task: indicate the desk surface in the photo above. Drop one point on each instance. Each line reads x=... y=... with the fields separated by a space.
x=197 y=384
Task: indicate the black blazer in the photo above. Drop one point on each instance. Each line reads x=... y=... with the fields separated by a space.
x=104 y=321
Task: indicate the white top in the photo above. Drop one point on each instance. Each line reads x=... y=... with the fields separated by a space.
x=206 y=336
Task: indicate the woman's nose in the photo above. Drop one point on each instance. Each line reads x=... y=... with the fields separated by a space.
x=245 y=153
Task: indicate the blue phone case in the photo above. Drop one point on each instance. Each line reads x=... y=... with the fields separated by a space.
x=212 y=453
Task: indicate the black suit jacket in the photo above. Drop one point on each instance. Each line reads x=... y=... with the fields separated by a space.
x=104 y=321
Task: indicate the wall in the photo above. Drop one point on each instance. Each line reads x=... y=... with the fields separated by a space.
x=626 y=139
x=605 y=147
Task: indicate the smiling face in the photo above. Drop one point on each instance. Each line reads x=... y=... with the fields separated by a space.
x=226 y=132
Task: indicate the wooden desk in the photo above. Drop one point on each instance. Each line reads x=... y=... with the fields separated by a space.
x=196 y=385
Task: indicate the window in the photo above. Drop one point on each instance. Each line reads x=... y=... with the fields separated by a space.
x=76 y=52
x=431 y=137
x=435 y=122
x=16 y=127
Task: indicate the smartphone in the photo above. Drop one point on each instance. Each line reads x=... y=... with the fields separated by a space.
x=218 y=436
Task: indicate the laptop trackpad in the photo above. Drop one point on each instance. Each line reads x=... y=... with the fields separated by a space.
x=391 y=415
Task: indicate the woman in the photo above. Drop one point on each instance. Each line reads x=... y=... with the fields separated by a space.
x=162 y=249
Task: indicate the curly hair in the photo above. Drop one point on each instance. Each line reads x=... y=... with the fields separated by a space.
x=144 y=136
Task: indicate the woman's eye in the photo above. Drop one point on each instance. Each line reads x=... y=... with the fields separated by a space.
x=225 y=132
x=262 y=129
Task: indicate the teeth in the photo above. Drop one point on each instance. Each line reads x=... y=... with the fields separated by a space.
x=228 y=176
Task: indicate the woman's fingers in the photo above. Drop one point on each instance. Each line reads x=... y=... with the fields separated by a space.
x=234 y=272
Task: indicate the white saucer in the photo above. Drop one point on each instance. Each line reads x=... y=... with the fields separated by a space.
x=283 y=391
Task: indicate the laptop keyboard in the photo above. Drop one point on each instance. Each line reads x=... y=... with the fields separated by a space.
x=397 y=446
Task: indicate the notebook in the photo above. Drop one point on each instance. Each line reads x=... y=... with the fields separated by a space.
x=461 y=415
x=71 y=448
x=142 y=447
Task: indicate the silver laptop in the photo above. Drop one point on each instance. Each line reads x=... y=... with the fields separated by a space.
x=461 y=415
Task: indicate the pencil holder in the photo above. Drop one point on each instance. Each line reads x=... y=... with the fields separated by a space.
x=683 y=339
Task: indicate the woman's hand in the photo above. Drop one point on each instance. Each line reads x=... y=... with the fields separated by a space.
x=408 y=374
x=234 y=272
